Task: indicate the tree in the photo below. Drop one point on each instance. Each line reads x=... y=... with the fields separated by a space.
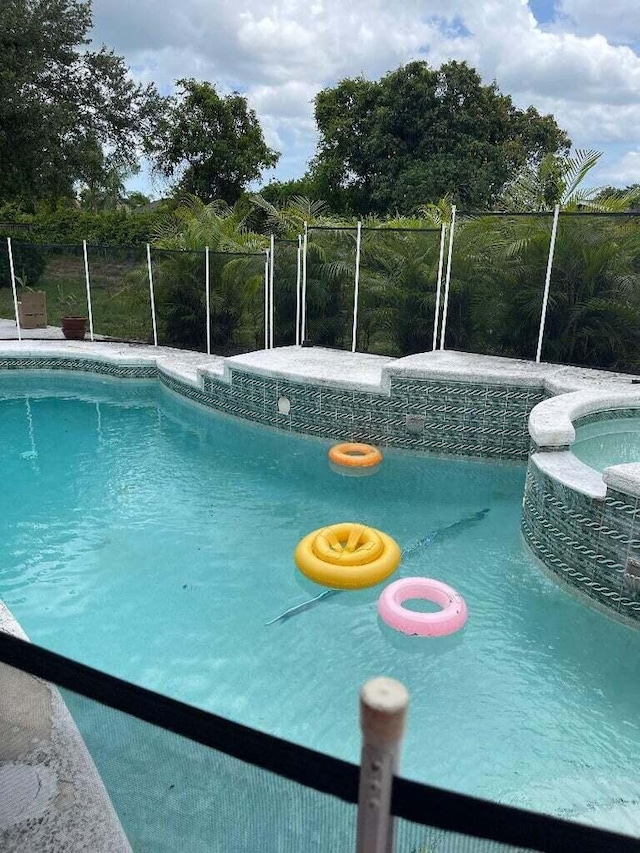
x=69 y=116
x=419 y=134
x=213 y=146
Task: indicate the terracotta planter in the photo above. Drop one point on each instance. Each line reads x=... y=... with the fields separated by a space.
x=73 y=328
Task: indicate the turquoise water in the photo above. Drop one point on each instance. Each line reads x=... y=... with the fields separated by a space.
x=154 y=540
x=611 y=442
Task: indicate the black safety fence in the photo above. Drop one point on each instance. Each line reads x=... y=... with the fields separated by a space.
x=181 y=778
x=55 y=272
x=180 y=298
x=593 y=314
x=235 y=302
x=287 y=295
x=330 y=283
x=498 y=269
x=51 y=280
x=495 y=304
x=120 y=296
x=397 y=290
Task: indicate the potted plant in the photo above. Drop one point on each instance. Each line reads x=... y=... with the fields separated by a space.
x=74 y=325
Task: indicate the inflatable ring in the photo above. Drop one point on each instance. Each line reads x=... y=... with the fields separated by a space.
x=347 y=556
x=446 y=621
x=353 y=455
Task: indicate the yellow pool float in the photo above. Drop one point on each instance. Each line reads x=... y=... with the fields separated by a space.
x=347 y=556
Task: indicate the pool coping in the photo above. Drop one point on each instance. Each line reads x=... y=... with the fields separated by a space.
x=327 y=367
x=552 y=430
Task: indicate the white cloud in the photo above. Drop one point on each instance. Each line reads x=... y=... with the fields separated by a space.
x=282 y=53
x=617 y=20
x=624 y=172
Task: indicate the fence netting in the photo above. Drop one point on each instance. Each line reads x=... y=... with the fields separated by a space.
x=56 y=270
x=120 y=297
x=498 y=272
x=593 y=317
x=179 y=287
x=181 y=778
x=397 y=294
x=331 y=270
x=285 y=278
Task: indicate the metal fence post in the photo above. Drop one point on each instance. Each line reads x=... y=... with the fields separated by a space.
x=152 y=297
x=383 y=711
x=436 y=316
x=266 y=299
x=447 y=281
x=88 y=283
x=304 y=283
x=13 y=287
x=273 y=263
x=547 y=281
x=356 y=288
x=298 y=283
x=207 y=290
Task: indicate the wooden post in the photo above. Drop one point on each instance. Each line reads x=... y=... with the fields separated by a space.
x=383 y=711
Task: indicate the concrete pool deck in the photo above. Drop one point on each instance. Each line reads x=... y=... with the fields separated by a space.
x=51 y=795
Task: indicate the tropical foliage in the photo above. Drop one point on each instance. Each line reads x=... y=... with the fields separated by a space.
x=498 y=273
x=236 y=269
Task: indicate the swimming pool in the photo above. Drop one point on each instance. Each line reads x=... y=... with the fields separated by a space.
x=613 y=441
x=154 y=540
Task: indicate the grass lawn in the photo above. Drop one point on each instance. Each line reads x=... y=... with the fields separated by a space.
x=119 y=295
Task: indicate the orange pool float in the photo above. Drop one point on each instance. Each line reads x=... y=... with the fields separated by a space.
x=354 y=455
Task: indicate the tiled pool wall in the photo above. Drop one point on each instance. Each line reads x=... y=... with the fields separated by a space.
x=591 y=544
x=453 y=417
x=417 y=414
x=588 y=543
x=81 y=365
x=605 y=415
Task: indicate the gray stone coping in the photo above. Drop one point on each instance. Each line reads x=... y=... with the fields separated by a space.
x=480 y=369
x=623 y=478
x=567 y=469
x=551 y=427
x=51 y=795
x=184 y=365
x=551 y=422
x=316 y=365
x=328 y=367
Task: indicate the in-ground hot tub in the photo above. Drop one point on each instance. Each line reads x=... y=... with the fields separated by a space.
x=608 y=438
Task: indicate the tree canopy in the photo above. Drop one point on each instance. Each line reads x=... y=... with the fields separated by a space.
x=69 y=116
x=213 y=146
x=419 y=134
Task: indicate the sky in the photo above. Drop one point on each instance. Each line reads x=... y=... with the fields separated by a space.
x=576 y=59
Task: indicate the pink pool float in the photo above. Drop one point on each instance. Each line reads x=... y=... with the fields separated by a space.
x=446 y=621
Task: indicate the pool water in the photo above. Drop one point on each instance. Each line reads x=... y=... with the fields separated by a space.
x=610 y=442
x=154 y=540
